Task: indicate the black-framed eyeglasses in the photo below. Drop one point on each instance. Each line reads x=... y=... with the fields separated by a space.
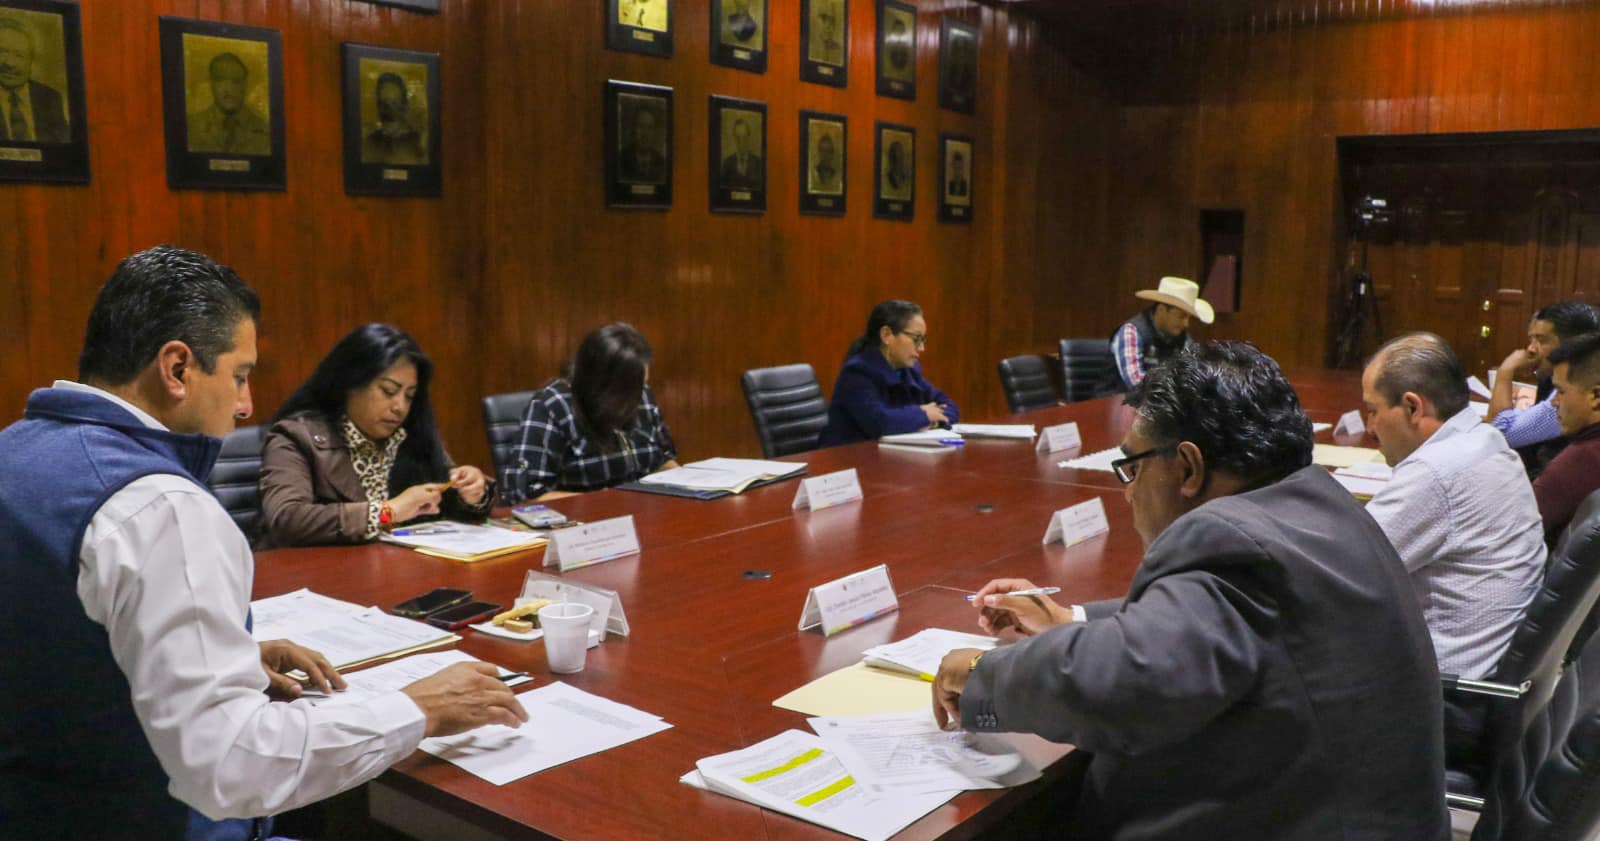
x=1126 y=467
x=919 y=339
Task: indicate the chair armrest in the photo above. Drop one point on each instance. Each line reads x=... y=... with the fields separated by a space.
x=1463 y=801
x=1457 y=683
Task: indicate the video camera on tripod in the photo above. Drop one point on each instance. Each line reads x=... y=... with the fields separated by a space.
x=1361 y=302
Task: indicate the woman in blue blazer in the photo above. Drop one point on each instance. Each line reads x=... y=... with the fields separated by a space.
x=880 y=390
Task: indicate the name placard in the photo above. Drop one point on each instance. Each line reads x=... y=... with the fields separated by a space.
x=226 y=165
x=592 y=543
x=740 y=195
x=27 y=156
x=824 y=202
x=826 y=71
x=642 y=190
x=1078 y=523
x=641 y=35
x=742 y=55
x=1350 y=423
x=849 y=601
x=1054 y=439
x=896 y=206
x=396 y=175
x=958 y=211
x=608 y=615
x=829 y=489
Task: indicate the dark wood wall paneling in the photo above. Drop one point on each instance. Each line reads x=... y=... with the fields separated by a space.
x=501 y=277
x=1240 y=107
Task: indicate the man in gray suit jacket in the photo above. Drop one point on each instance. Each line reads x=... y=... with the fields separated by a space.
x=1268 y=675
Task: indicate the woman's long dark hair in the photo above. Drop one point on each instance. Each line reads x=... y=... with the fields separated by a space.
x=355 y=361
x=894 y=314
x=607 y=375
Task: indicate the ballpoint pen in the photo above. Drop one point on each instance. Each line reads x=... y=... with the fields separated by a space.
x=1036 y=591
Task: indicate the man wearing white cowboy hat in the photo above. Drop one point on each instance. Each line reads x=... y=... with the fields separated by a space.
x=1150 y=338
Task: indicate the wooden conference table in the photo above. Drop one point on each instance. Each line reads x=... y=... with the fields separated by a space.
x=710 y=648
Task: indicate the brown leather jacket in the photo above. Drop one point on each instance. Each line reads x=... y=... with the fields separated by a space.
x=311 y=495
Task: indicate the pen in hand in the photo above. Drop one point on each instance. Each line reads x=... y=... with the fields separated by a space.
x=1036 y=591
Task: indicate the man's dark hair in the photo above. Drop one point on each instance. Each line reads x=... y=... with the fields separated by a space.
x=1233 y=402
x=160 y=295
x=1570 y=318
x=1582 y=353
x=392 y=79
x=1425 y=364
x=353 y=363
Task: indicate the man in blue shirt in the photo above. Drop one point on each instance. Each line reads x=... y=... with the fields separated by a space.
x=1532 y=430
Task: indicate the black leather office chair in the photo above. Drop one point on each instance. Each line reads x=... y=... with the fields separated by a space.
x=1548 y=789
x=1088 y=370
x=502 y=418
x=1026 y=382
x=236 y=478
x=1509 y=701
x=787 y=408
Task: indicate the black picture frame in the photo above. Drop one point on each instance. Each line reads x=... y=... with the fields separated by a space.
x=638 y=155
x=823 y=192
x=894 y=59
x=958 y=180
x=739 y=38
x=827 y=60
x=205 y=152
x=958 y=65
x=894 y=185
x=389 y=154
x=52 y=142
x=429 y=7
x=735 y=185
x=647 y=29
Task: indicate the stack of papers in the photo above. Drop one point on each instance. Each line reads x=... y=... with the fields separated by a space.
x=1094 y=461
x=564 y=723
x=866 y=776
x=730 y=475
x=1333 y=455
x=920 y=653
x=1477 y=386
x=1019 y=431
x=347 y=634
x=928 y=441
x=464 y=542
x=1364 y=480
x=365 y=685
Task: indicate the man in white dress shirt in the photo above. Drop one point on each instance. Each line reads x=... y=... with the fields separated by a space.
x=134 y=688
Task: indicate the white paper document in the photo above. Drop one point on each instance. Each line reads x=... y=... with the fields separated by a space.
x=370 y=683
x=925 y=438
x=1478 y=387
x=920 y=653
x=1094 y=461
x=723 y=474
x=563 y=724
x=346 y=634
x=1319 y=427
x=463 y=539
x=1364 y=480
x=1019 y=431
x=795 y=773
x=907 y=753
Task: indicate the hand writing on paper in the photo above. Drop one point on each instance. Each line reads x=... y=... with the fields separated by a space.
x=1026 y=615
x=464 y=697
x=278 y=657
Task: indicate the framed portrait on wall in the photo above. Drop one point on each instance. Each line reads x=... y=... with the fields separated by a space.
x=825 y=42
x=894 y=152
x=958 y=65
x=429 y=6
x=391 y=121
x=43 y=131
x=222 y=87
x=640 y=26
x=822 y=163
x=739 y=34
x=955 y=178
x=897 y=49
x=638 y=145
x=738 y=159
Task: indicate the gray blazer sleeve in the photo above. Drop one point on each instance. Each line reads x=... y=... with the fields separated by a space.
x=1101 y=609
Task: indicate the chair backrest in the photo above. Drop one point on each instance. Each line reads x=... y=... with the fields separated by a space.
x=787 y=408
x=1548 y=789
x=236 y=478
x=1543 y=642
x=502 y=418
x=1026 y=382
x=1088 y=370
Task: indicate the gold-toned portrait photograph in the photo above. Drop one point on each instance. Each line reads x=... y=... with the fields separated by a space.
x=35 y=102
x=742 y=167
x=897 y=53
x=642 y=139
x=394 y=112
x=643 y=14
x=825 y=147
x=227 y=95
x=826 y=44
x=897 y=164
x=958 y=173
x=743 y=22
